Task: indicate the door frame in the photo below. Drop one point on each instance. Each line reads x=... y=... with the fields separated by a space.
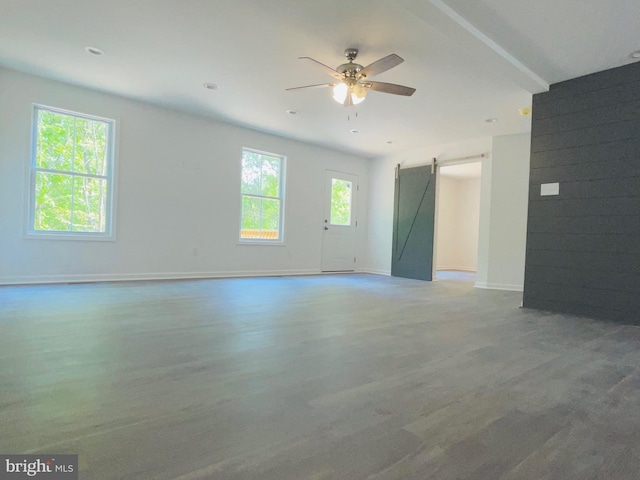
x=326 y=212
x=444 y=163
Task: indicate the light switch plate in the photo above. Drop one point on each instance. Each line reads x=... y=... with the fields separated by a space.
x=549 y=189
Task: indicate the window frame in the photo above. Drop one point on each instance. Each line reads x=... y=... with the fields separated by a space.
x=281 y=199
x=110 y=233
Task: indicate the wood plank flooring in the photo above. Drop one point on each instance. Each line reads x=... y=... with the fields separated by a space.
x=315 y=378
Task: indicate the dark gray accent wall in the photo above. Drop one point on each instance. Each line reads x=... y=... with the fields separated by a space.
x=583 y=245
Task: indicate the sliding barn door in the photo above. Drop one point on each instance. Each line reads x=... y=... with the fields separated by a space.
x=413 y=223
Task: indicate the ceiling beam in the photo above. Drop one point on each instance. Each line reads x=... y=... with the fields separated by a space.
x=439 y=15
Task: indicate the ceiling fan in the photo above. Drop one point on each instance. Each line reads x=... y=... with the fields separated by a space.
x=353 y=79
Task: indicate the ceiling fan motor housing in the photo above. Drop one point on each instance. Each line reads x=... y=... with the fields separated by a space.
x=350 y=70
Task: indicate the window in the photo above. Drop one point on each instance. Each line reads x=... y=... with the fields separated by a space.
x=340 y=202
x=71 y=174
x=262 y=197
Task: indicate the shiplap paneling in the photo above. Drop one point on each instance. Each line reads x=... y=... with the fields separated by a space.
x=583 y=245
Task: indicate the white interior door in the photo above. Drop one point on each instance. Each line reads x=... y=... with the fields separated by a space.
x=339 y=237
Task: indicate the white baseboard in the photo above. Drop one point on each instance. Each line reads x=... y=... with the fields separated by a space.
x=375 y=271
x=126 y=277
x=500 y=286
x=457 y=268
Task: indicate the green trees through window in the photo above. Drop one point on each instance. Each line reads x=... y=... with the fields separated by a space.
x=70 y=172
x=262 y=196
x=340 y=202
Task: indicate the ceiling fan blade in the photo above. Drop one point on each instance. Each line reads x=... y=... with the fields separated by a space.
x=328 y=70
x=390 y=88
x=382 y=65
x=320 y=85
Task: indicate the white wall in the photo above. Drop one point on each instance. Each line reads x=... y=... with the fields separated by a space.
x=503 y=217
x=178 y=199
x=382 y=182
x=447 y=224
x=469 y=212
x=458 y=221
x=484 y=227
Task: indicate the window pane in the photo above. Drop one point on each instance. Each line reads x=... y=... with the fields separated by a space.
x=251 y=172
x=89 y=205
x=91 y=147
x=340 y=202
x=270 y=177
x=53 y=196
x=250 y=217
x=260 y=218
x=270 y=219
x=54 y=145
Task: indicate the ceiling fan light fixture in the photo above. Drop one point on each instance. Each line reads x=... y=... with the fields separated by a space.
x=356 y=100
x=357 y=93
x=340 y=92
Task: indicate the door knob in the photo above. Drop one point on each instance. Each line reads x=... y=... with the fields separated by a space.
x=326 y=228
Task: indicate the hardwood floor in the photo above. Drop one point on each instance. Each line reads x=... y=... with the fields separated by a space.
x=315 y=378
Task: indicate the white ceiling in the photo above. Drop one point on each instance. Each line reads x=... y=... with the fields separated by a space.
x=468 y=60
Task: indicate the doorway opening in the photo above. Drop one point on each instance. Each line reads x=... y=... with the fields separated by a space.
x=457 y=221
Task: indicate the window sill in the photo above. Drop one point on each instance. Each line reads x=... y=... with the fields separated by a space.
x=69 y=237
x=263 y=243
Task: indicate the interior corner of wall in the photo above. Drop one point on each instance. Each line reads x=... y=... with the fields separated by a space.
x=484 y=227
